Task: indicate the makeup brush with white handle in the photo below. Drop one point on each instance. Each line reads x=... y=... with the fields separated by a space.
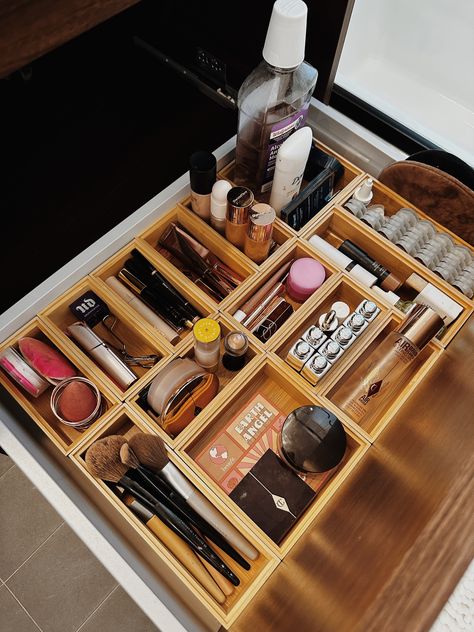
x=151 y=452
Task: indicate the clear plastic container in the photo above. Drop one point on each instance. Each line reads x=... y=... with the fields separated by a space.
x=273 y=103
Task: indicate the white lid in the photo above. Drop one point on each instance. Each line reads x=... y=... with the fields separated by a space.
x=363 y=276
x=389 y=296
x=286 y=34
x=333 y=254
x=293 y=153
x=219 y=198
x=364 y=192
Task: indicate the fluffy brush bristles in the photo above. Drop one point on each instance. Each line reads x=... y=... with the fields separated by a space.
x=150 y=450
x=128 y=457
x=103 y=459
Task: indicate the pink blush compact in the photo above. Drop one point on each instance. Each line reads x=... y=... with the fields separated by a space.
x=14 y=365
x=305 y=277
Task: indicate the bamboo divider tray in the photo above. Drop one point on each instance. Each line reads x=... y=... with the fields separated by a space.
x=338 y=225
x=57 y=317
x=64 y=437
x=126 y=423
x=346 y=290
x=393 y=202
x=272 y=380
x=208 y=237
x=226 y=380
x=188 y=290
x=418 y=369
x=296 y=249
x=265 y=372
x=281 y=233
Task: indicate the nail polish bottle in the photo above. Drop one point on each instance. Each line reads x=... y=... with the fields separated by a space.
x=202 y=174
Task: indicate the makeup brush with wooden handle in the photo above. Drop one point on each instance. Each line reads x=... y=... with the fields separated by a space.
x=151 y=452
x=179 y=549
x=103 y=462
x=166 y=494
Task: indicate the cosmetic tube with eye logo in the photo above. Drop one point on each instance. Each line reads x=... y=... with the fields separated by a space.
x=367 y=389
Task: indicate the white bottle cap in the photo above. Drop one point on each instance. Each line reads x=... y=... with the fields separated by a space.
x=364 y=192
x=286 y=34
x=389 y=296
x=333 y=254
x=219 y=198
x=362 y=275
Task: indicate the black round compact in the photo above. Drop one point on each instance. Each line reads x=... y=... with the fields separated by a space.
x=312 y=440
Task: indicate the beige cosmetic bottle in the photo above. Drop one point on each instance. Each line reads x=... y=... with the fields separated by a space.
x=365 y=391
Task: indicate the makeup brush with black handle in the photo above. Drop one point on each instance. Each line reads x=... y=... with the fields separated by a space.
x=103 y=462
x=166 y=494
x=151 y=452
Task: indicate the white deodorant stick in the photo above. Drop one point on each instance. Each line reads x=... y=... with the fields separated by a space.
x=289 y=168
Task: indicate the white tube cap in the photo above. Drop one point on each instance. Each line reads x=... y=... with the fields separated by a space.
x=219 y=193
x=285 y=42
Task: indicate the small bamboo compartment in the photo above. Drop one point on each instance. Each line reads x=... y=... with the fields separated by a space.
x=125 y=423
x=417 y=370
x=392 y=202
x=352 y=294
x=351 y=177
x=272 y=380
x=65 y=437
x=338 y=225
x=281 y=233
x=58 y=317
x=201 y=231
x=226 y=380
x=189 y=292
x=295 y=250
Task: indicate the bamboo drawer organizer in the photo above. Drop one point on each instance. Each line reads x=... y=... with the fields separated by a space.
x=265 y=371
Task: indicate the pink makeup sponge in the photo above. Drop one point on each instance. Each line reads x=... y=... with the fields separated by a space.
x=77 y=402
x=305 y=276
x=47 y=361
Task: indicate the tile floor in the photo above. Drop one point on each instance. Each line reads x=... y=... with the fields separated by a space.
x=49 y=580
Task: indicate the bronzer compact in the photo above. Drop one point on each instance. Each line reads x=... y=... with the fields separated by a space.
x=312 y=440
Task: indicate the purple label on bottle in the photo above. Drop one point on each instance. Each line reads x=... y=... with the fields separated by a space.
x=278 y=134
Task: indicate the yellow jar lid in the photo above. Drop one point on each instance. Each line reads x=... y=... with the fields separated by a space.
x=207 y=330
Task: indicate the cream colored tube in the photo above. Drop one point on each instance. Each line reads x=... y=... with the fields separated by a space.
x=140 y=307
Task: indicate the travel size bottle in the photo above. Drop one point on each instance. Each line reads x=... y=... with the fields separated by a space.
x=375 y=379
x=274 y=99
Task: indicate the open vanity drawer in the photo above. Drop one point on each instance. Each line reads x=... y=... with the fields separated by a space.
x=147 y=571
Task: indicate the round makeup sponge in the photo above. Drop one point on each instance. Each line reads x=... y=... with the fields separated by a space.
x=305 y=276
x=77 y=402
x=49 y=362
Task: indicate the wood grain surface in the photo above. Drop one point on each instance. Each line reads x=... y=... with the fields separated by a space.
x=398 y=535
x=32 y=28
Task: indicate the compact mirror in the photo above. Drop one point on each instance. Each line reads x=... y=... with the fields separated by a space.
x=312 y=440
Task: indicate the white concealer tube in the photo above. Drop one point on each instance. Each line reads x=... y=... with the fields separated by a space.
x=140 y=307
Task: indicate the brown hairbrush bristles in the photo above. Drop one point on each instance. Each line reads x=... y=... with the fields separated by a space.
x=103 y=459
x=128 y=458
x=150 y=450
